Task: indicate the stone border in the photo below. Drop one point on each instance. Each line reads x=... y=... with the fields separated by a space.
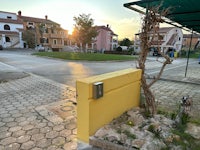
x=106 y=144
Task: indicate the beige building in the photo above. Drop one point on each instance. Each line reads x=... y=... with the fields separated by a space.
x=48 y=34
x=195 y=43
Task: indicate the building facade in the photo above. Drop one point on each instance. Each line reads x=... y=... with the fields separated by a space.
x=49 y=34
x=169 y=38
x=105 y=40
x=195 y=41
x=10 y=30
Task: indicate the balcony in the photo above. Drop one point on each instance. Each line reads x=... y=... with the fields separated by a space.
x=58 y=36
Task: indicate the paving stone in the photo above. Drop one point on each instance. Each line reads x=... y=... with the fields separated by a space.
x=52 y=147
x=37 y=137
x=14 y=129
x=28 y=127
x=20 y=119
x=70 y=146
x=9 y=119
x=23 y=123
x=4 y=128
x=13 y=146
x=18 y=133
x=2 y=147
x=33 y=131
x=51 y=134
x=59 y=141
x=41 y=125
x=23 y=138
x=43 y=143
x=8 y=141
x=11 y=124
x=36 y=148
x=2 y=124
x=65 y=133
x=28 y=145
x=58 y=127
x=5 y=134
x=71 y=126
x=46 y=129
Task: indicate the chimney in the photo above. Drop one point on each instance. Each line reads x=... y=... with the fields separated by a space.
x=46 y=17
x=19 y=13
x=107 y=25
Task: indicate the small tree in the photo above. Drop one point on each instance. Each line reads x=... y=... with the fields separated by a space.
x=29 y=37
x=125 y=42
x=151 y=23
x=84 y=31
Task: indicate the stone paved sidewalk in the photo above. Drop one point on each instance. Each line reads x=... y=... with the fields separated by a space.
x=22 y=126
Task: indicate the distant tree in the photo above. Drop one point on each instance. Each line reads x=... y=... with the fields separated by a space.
x=84 y=31
x=29 y=37
x=125 y=42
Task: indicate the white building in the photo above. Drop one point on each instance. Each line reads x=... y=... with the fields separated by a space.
x=169 y=38
x=10 y=30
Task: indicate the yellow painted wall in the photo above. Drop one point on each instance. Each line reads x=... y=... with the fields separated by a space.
x=121 y=92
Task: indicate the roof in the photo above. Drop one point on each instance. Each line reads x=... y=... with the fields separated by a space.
x=161 y=30
x=184 y=12
x=189 y=36
x=107 y=29
x=11 y=21
x=8 y=12
x=36 y=20
x=9 y=32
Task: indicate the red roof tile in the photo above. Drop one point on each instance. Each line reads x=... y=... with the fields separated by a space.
x=11 y=21
x=36 y=20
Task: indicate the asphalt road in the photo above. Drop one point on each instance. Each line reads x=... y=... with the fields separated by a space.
x=67 y=72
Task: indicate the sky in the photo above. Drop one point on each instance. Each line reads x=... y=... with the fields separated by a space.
x=124 y=22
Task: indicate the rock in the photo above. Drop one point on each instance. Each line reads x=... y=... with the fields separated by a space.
x=102 y=132
x=138 y=143
x=135 y=117
x=193 y=130
x=154 y=144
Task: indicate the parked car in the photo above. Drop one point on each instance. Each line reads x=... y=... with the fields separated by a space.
x=1 y=47
x=40 y=48
x=154 y=51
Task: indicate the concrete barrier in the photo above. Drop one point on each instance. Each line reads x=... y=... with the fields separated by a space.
x=121 y=91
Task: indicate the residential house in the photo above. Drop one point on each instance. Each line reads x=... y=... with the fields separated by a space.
x=195 y=43
x=10 y=30
x=49 y=34
x=169 y=38
x=105 y=40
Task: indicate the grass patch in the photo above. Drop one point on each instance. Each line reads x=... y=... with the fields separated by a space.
x=85 y=56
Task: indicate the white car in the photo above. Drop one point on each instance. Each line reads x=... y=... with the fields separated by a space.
x=40 y=48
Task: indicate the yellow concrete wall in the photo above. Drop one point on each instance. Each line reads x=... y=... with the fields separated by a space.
x=121 y=92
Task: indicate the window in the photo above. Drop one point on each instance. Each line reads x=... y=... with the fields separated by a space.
x=9 y=17
x=7 y=39
x=54 y=42
x=30 y=23
x=6 y=27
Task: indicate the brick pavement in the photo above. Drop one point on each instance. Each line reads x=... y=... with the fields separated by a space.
x=22 y=126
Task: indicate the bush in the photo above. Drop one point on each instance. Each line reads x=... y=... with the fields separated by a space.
x=119 y=49
x=118 y=52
